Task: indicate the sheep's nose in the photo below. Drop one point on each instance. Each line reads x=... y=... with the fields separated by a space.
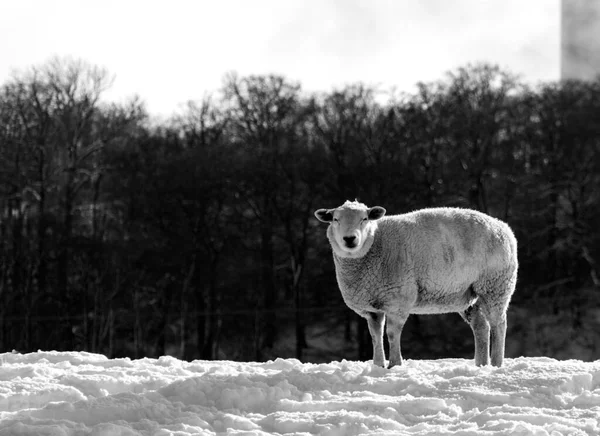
x=349 y=240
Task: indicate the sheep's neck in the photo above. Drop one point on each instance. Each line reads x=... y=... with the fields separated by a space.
x=355 y=274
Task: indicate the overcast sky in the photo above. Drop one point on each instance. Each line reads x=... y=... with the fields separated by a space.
x=172 y=51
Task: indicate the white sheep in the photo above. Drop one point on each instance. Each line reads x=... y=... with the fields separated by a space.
x=431 y=261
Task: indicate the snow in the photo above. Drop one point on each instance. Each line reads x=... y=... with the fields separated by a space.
x=77 y=393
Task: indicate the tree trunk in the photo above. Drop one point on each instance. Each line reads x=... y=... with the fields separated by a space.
x=348 y=325
x=201 y=326
x=111 y=333
x=268 y=285
x=184 y=348
x=212 y=316
x=63 y=263
x=41 y=247
x=163 y=324
x=137 y=327
x=365 y=344
x=297 y=291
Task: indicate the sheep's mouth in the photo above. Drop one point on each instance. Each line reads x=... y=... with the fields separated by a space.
x=351 y=245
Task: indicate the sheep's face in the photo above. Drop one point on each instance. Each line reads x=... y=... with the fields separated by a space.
x=350 y=227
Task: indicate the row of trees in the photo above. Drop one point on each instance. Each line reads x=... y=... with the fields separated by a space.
x=195 y=236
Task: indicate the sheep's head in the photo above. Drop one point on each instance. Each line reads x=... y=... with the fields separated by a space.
x=351 y=228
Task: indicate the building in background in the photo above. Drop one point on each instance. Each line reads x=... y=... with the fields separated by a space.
x=580 y=39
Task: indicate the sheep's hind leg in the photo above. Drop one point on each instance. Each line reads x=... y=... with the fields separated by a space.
x=375 y=322
x=500 y=289
x=395 y=324
x=481 y=332
x=498 y=334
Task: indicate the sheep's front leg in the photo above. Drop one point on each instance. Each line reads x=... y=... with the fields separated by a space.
x=395 y=324
x=375 y=322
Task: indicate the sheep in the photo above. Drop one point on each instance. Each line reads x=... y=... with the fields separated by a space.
x=431 y=261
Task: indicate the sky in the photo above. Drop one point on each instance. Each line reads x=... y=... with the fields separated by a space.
x=175 y=51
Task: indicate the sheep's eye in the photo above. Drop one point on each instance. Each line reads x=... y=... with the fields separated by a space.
x=336 y=220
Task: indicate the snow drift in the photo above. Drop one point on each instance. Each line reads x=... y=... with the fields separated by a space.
x=52 y=393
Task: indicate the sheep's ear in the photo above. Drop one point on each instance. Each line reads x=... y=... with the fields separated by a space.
x=324 y=215
x=376 y=212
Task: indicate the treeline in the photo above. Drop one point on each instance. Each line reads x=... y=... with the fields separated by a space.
x=196 y=237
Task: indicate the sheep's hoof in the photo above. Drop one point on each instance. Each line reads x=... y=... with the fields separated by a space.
x=483 y=362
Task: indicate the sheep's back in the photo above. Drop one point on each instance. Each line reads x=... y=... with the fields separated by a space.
x=450 y=246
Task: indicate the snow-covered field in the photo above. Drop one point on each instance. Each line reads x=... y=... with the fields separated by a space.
x=51 y=393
